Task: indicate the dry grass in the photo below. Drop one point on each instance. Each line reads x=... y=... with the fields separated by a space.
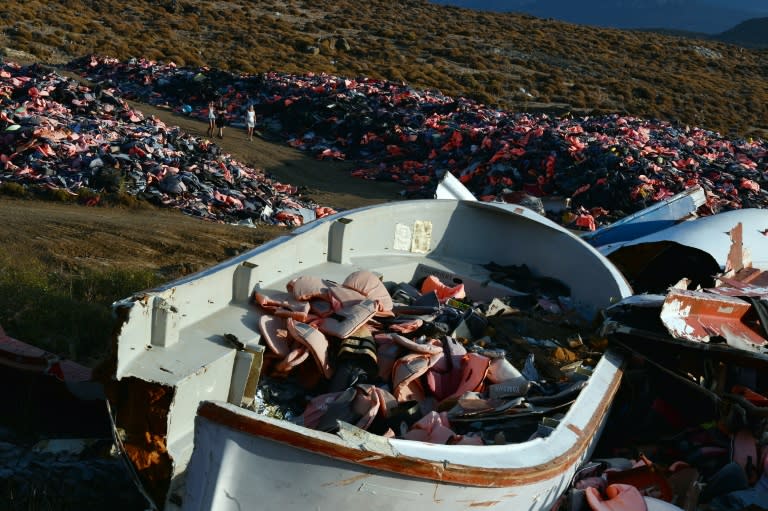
x=512 y=61
x=60 y=275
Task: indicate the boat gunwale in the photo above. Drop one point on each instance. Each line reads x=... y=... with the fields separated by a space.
x=511 y=210
x=439 y=471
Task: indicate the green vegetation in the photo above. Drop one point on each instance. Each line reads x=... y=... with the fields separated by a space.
x=506 y=60
x=86 y=196
x=34 y=296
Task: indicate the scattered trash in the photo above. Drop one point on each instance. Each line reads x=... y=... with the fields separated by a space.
x=64 y=137
x=692 y=434
x=422 y=350
x=607 y=167
x=48 y=404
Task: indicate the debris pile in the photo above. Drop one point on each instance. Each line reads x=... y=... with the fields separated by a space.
x=56 y=442
x=64 y=474
x=56 y=134
x=605 y=166
x=689 y=431
x=422 y=361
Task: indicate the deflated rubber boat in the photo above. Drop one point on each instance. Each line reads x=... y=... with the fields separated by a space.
x=431 y=353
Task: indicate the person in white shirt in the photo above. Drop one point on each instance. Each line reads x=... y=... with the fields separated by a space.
x=250 y=121
x=211 y=118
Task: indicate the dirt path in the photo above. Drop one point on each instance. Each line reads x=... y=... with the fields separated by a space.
x=69 y=236
x=329 y=182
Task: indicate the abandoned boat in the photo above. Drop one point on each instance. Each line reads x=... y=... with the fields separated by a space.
x=702 y=317
x=191 y=357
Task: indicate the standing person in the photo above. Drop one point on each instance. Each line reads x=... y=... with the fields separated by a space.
x=211 y=118
x=221 y=113
x=250 y=121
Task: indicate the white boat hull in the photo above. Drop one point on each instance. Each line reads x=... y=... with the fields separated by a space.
x=172 y=356
x=241 y=457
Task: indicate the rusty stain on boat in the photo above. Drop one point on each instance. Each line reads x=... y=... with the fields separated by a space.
x=347 y=482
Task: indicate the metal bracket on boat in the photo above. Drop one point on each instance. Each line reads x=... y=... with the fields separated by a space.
x=336 y=240
x=165 y=323
x=245 y=375
x=244 y=281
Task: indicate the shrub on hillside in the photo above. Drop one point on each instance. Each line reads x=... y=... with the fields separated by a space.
x=14 y=190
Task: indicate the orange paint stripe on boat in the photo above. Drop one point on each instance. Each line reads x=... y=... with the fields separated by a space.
x=414 y=467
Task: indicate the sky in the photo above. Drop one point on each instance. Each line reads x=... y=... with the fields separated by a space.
x=707 y=16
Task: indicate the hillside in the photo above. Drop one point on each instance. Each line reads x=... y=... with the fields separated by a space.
x=514 y=61
x=703 y=16
x=751 y=33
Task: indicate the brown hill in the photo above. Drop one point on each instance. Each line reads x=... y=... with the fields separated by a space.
x=514 y=61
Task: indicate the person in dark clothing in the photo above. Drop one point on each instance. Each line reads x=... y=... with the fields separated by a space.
x=221 y=112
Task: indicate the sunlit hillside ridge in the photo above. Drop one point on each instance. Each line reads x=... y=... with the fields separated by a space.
x=513 y=61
